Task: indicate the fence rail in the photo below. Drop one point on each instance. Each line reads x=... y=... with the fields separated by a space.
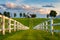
x=16 y=25
x=45 y=26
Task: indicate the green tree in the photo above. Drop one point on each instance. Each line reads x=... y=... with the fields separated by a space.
x=24 y=15
x=14 y=14
x=53 y=13
x=20 y=14
x=0 y=13
x=33 y=15
x=8 y=14
x=5 y=13
x=48 y=15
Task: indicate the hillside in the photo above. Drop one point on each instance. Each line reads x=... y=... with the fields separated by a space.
x=31 y=34
x=30 y=22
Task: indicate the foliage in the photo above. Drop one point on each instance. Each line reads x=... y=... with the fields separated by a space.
x=6 y=14
x=53 y=13
x=47 y=15
x=0 y=13
x=33 y=15
x=20 y=14
x=14 y=14
x=24 y=15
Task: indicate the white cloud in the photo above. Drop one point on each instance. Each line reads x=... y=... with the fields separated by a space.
x=1 y=7
x=10 y=5
x=36 y=7
x=56 y=8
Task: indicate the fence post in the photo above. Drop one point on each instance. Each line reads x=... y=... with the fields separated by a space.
x=9 y=25
x=3 y=25
x=46 y=26
x=51 y=25
x=17 y=26
x=40 y=26
x=43 y=26
x=20 y=26
x=14 y=25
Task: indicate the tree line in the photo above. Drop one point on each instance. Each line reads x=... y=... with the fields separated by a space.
x=7 y=14
x=24 y=15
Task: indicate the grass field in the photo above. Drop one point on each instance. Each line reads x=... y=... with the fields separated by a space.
x=30 y=22
x=31 y=34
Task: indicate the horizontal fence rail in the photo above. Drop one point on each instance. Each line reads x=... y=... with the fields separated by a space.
x=45 y=26
x=10 y=25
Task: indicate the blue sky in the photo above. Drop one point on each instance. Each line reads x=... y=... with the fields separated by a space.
x=30 y=1
x=36 y=3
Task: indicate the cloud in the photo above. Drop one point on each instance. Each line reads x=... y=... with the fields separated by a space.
x=50 y=5
x=10 y=5
x=1 y=7
x=27 y=7
x=13 y=5
x=41 y=10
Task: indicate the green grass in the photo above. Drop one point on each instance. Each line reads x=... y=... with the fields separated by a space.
x=58 y=26
x=30 y=22
x=31 y=34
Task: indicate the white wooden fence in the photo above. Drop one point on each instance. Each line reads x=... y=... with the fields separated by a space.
x=47 y=26
x=16 y=25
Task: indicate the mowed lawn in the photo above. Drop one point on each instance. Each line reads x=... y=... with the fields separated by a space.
x=31 y=34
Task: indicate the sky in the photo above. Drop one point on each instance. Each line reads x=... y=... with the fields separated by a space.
x=31 y=1
x=42 y=6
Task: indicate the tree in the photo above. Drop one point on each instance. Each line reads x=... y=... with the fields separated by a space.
x=48 y=15
x=33 y=15
x=20 y=14
x=0 y=13
x=24 y=15
x=14 y=14
x=53 y=13
x=8 y=14
x=5 y=13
